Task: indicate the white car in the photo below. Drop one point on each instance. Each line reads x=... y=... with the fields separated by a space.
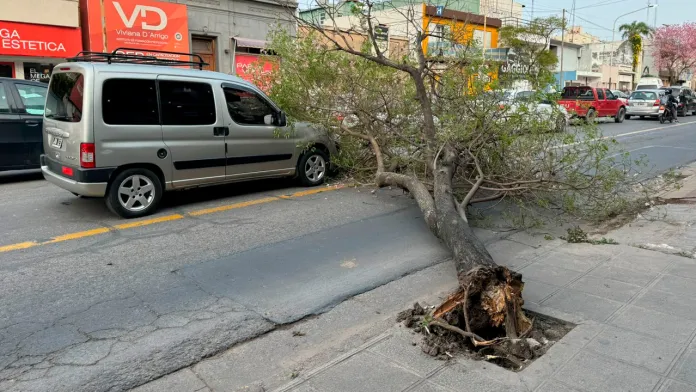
x=555 y=116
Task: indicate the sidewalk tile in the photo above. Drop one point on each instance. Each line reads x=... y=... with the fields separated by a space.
x=549 y=274
x=536 y=291
x=626 y=275
x=563 y=351
x=595 y=373
x=676 y=285
x=664 y=302
x=660 y=325
x=555 y=386
x=643 y=260
x=458 y=378
x=607 y=288
x=182 y=381
x=676 y=386
x=361 y=373
x=685 y=369
x=588 y=306
x=399 y=349
x=686 y=269
x=428 y=387
x=572 y=262
x=652 y=353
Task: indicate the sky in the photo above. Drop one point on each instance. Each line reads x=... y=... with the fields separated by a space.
x=599 y=15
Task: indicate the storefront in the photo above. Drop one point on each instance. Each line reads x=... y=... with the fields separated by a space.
x=29 y=51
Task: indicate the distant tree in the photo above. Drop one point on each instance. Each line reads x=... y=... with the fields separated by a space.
x=675 y=49
x=634 y=33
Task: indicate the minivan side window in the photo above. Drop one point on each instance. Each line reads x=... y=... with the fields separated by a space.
x=247 y=107
x=64 y=99
x=130 y=102
x=187 y=103
x=600 y=94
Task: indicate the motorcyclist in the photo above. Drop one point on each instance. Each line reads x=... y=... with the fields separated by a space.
x=672 y=103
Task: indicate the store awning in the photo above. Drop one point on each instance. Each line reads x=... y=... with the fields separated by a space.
x=250 y=43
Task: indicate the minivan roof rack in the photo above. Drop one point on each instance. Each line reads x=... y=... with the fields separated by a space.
x=118 y=56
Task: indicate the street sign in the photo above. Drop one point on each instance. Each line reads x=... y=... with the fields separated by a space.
x=382 y=38
x=439 y=10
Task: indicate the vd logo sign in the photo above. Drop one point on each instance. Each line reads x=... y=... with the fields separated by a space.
x=142 y=11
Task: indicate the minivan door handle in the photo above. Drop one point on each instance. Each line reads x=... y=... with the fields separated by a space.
x=221 y=131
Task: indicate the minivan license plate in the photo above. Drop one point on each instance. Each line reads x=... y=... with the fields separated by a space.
x=57 y=142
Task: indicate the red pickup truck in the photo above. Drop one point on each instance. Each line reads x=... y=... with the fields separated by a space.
x=590 y=103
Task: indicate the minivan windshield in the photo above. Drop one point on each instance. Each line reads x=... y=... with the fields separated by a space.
x=64 y=99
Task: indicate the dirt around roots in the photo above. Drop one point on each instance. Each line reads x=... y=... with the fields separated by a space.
x=511 y=354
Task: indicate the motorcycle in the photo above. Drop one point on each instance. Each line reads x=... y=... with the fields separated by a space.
x=665 y=114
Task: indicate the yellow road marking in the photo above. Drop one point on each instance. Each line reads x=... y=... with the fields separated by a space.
x=130 y=225
x=21 y=245
x=161 y=219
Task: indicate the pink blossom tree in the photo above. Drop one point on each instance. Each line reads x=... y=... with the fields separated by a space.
x=674 y=49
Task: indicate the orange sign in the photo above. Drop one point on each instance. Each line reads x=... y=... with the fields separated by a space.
x=141 y=25
x=24 y=39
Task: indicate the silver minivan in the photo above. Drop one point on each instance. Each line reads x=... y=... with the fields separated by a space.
x=129 y=132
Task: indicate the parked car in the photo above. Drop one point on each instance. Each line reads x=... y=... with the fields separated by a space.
x=129 y=132
x=686 y=97
x=590 y=103
x=620 y=94
x=649 y=83
x=21 y=115
x=644 y=103
x=555 y=117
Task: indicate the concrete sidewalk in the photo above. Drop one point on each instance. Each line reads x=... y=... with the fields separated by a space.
x=633 y=305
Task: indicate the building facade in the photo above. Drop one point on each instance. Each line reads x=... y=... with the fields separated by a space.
x=37 y=35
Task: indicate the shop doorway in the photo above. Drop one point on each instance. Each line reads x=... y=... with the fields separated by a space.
x=205 y=47
x=7 y=70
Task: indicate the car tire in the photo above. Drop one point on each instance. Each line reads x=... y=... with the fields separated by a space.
x=620 y=116
x=591 y=116
x=628 y=117
x=561 y=123
x=642 y=117
x=134 y=193
x=313 y=167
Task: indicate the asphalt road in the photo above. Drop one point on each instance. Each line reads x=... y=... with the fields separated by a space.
x=89 y=302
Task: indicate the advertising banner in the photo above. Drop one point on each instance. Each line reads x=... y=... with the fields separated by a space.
x=142 y=25
x=24 y=39
x=246 y=66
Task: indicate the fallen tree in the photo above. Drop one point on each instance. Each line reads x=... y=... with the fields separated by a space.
x=442 y=128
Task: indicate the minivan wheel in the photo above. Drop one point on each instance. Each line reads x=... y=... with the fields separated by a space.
x=313 y=167
x=620 y=116
x=134 y=193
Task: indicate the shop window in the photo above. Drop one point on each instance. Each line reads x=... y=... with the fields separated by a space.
x=130 y=102
x=185 y=103
x=33 y=98
x=6 y=70
x=38 y=72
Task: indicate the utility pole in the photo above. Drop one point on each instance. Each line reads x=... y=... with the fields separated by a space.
x=562 y=47
x=656 y=4
x=572 y=26
x=532 y=9
x=485 y=21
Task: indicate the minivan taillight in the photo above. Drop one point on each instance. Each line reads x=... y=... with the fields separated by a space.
x=657 y=102
x=87 y=155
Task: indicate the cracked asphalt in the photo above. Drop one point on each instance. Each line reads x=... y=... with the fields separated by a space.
x=114 y=308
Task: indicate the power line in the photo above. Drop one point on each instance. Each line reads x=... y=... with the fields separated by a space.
x=602 y=3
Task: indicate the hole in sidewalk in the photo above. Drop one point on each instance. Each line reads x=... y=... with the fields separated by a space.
x=511 y=354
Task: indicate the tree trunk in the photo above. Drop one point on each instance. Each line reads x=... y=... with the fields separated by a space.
x=489 y=301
